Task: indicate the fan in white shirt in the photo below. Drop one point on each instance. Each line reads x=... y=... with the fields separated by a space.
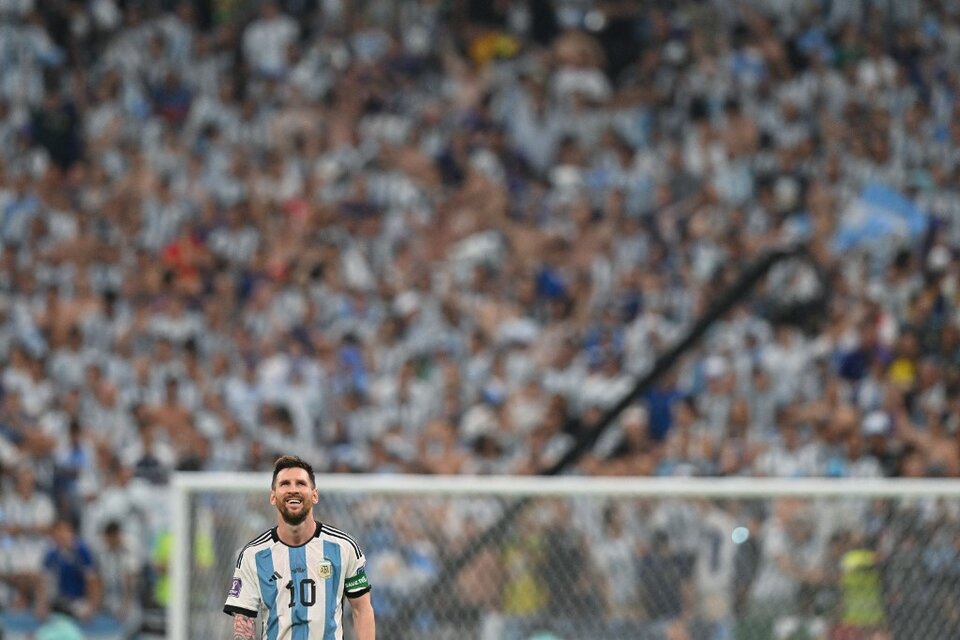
x=789 y=456
x=266 y=40
x=27 y=517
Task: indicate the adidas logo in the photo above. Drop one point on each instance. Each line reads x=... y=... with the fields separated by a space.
x=276 y=576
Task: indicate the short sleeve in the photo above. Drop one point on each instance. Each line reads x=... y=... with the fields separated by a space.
x=85 y=558
x=243 y=596
x=355 y=583
x=46 y=513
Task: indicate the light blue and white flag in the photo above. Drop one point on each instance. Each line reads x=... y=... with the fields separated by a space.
x=880 y=214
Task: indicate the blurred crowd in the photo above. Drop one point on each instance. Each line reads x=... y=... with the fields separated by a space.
x=649 y=569
x=444 y=237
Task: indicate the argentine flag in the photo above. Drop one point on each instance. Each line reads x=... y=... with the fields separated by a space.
x=880 y=214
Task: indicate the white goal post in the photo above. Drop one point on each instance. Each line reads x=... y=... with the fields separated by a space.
x=845 y=503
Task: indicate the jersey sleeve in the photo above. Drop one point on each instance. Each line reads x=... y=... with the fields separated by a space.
x=243 y=596
x=355 y=583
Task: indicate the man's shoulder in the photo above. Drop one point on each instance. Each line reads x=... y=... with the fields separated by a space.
x=262 y=538
x=333 y=534
x=265 y=539
x=83 y=550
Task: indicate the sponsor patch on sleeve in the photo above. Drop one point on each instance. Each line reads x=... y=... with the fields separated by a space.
x=357 y=582
x=235 y=587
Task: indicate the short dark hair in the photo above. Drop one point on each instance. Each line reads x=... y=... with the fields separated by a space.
x=292 y=462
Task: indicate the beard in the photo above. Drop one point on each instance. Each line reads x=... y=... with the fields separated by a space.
x=294 y=519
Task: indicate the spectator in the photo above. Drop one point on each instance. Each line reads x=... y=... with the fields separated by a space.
x=119 y=570
x=570 y=605
x=60 y=626
x=714 y=573
x=614 y=561
x=72 y=572
x=28 y=515
x=790 y=565
x=906 y=585
x=524 y=597
x=862 y=590
x=266 y=40
x=160 y=554
x=794 y=454
x=665 y=589
x=55 y=126
x=478 y=587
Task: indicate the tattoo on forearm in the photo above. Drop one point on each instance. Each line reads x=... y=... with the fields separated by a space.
x=243 y=628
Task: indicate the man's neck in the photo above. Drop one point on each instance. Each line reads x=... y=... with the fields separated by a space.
x=294 y=535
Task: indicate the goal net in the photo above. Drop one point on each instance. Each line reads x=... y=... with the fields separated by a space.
x=497 y=558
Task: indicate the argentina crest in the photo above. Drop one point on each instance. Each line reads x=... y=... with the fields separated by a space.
x=325 y=569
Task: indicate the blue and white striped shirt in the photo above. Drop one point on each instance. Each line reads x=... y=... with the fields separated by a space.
x=298 y=591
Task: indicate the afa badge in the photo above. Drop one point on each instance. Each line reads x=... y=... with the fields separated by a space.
x=325 y=569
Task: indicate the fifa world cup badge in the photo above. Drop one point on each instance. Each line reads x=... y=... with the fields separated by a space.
x=325 y=570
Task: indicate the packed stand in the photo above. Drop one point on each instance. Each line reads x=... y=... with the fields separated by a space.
x=420 y=237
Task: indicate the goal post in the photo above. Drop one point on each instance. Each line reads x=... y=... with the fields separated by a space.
x=560 y=557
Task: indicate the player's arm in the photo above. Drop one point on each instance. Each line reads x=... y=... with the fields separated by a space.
x=357 y=589
x=243 y=627
x=364 y=624
x=243 y=598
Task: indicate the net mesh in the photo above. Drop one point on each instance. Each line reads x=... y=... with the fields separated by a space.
x=637 y=568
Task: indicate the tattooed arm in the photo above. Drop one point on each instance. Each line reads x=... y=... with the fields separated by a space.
x=243 y=628
x=243 y=599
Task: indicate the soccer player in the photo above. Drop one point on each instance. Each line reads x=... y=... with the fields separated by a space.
x=298 y=572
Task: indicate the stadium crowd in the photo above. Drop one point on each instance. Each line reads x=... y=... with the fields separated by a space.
x=444 y=237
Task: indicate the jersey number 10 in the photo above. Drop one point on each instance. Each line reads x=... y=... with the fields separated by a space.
x=308 y=592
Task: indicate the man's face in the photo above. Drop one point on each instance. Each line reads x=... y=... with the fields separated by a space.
x=62 y=534
x=293 y=495
x=113 y=540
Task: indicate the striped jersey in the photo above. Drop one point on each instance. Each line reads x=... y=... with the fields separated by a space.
x=298 y=591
